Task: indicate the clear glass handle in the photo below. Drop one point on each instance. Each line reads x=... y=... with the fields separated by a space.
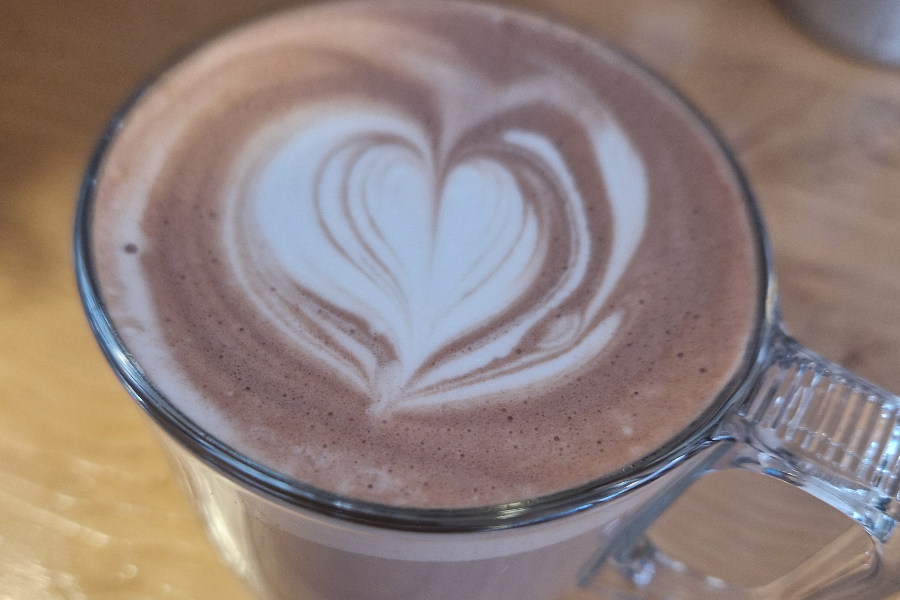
x=818 y=427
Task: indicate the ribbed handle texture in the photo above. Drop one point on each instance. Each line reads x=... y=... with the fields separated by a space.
x=829 y=424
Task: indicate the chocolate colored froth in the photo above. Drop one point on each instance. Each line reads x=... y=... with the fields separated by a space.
x=425 y=254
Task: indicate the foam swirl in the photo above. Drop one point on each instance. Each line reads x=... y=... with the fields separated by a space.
x=421 y=249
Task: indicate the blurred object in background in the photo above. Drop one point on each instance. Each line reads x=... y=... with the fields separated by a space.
x=868 y=29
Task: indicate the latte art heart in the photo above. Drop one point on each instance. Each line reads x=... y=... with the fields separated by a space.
x=411 y=259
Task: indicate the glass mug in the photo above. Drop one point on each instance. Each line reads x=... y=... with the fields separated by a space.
x=790 y=414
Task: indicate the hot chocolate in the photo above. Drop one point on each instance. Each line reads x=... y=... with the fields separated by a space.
x=425 y=254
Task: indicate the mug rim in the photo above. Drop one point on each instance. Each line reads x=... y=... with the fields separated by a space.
x=292 y=492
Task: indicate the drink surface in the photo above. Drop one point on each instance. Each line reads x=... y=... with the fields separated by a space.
x=425 y=254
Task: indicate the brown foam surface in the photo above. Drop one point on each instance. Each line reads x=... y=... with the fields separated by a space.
x=686 y=302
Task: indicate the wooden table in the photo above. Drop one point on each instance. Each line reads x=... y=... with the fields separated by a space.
x=87 y=507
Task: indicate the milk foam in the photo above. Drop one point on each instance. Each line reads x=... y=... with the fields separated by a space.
x=425 y=253
x=362 y=212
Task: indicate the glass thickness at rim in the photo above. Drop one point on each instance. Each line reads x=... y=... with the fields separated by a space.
x=276 y=486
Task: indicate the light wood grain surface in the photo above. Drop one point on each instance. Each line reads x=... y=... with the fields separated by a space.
x=87 y=507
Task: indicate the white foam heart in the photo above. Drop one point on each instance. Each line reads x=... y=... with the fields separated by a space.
x=356 y=208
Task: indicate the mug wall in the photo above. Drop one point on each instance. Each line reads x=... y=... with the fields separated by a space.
x=285 y=553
